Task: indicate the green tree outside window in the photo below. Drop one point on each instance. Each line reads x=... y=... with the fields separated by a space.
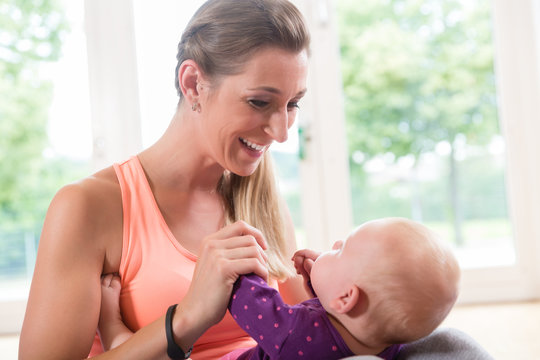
x=418 y=74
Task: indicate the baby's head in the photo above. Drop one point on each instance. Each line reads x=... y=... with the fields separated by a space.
x=391 y=281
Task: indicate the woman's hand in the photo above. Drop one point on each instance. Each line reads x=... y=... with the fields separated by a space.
x=303 y=262
x=232 y=251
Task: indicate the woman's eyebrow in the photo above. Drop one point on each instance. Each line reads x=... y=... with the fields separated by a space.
x=273 y=90
x=301 y=93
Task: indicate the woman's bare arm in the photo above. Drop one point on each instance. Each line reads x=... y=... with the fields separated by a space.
x=235 y=249
x=75 y=250
x=63 y=306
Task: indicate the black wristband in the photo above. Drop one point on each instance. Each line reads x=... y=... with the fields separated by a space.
x=174 y=351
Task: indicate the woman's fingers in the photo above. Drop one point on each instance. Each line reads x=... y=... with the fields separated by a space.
x=252 y=265
x=244 y=247
x=245 y=250
x=240 y=228
x=228 y=253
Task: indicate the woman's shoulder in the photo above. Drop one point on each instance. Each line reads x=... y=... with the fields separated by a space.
x=86 y=217
x=99 y=190
x=94 y=202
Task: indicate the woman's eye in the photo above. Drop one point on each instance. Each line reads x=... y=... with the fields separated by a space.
x=258 y=103
x=293 y=105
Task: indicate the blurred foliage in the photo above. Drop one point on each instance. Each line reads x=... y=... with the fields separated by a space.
x=31 y=34
x=288 y=173
x=417 y=73
x=481 y=184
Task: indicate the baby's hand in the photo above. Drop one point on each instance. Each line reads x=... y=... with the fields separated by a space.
x=303 y=262
x=112 y=330
x=110 y=298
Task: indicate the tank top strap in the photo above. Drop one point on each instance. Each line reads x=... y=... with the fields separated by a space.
x=143 y=224
x=137 y=197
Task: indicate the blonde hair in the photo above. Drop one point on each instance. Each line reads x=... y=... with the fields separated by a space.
x=224 y=34
x=416 y=287
x=221 y=38
x=255 y=200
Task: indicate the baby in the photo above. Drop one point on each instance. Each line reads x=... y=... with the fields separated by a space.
x=389 y=283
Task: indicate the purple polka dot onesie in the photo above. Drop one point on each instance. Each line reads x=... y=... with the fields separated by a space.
x=302 y=331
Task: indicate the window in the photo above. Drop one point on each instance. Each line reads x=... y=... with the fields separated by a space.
x=515 y=37
x=391 y=56
x=45 y=132
x=422 y=120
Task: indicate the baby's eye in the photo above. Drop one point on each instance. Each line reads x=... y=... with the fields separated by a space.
x=258 y=103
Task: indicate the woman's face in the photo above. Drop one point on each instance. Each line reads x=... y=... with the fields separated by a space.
x=245 y=113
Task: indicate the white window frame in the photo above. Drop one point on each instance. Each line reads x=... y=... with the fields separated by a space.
x=113 y=81
x=516 y=37
x=324 y=172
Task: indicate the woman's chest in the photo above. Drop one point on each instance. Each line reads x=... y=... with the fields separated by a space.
x=189 y=222
x=151 y=282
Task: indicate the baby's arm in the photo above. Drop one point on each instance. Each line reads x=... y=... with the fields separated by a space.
x=283 y=331
x=112 y=329
x=261 y=312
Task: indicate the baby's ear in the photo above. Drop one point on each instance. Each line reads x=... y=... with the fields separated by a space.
x=348 y=300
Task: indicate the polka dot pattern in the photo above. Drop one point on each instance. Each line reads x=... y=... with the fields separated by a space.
x=269 y=321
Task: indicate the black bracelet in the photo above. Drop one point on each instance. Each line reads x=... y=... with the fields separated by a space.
x=174 y=351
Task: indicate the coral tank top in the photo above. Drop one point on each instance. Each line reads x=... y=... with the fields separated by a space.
x=156 y=270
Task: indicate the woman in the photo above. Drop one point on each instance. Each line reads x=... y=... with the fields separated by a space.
x=167 y=220
x=241 y=72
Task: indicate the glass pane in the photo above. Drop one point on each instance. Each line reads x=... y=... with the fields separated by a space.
x=45 y=134
x=156 y=60
x=287 y=160
x=423 y=132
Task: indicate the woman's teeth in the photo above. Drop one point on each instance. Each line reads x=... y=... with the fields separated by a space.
x=252 y=145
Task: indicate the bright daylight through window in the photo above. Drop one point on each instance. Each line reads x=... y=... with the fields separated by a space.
x=44 y=125
x=422 y=122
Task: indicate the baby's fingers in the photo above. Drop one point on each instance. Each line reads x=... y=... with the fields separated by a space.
x=106 y=280
x=110 y=280
x=298 y=262
x=308 y=264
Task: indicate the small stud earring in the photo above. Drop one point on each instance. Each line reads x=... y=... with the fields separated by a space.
x=196 y=106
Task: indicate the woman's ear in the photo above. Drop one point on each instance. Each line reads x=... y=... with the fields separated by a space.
x=189 y=76
x=352 y=298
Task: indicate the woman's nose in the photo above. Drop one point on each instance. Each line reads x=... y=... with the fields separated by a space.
x=278 y=126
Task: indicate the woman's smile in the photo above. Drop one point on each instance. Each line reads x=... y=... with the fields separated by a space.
x=252 y=148
x=261 y=103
